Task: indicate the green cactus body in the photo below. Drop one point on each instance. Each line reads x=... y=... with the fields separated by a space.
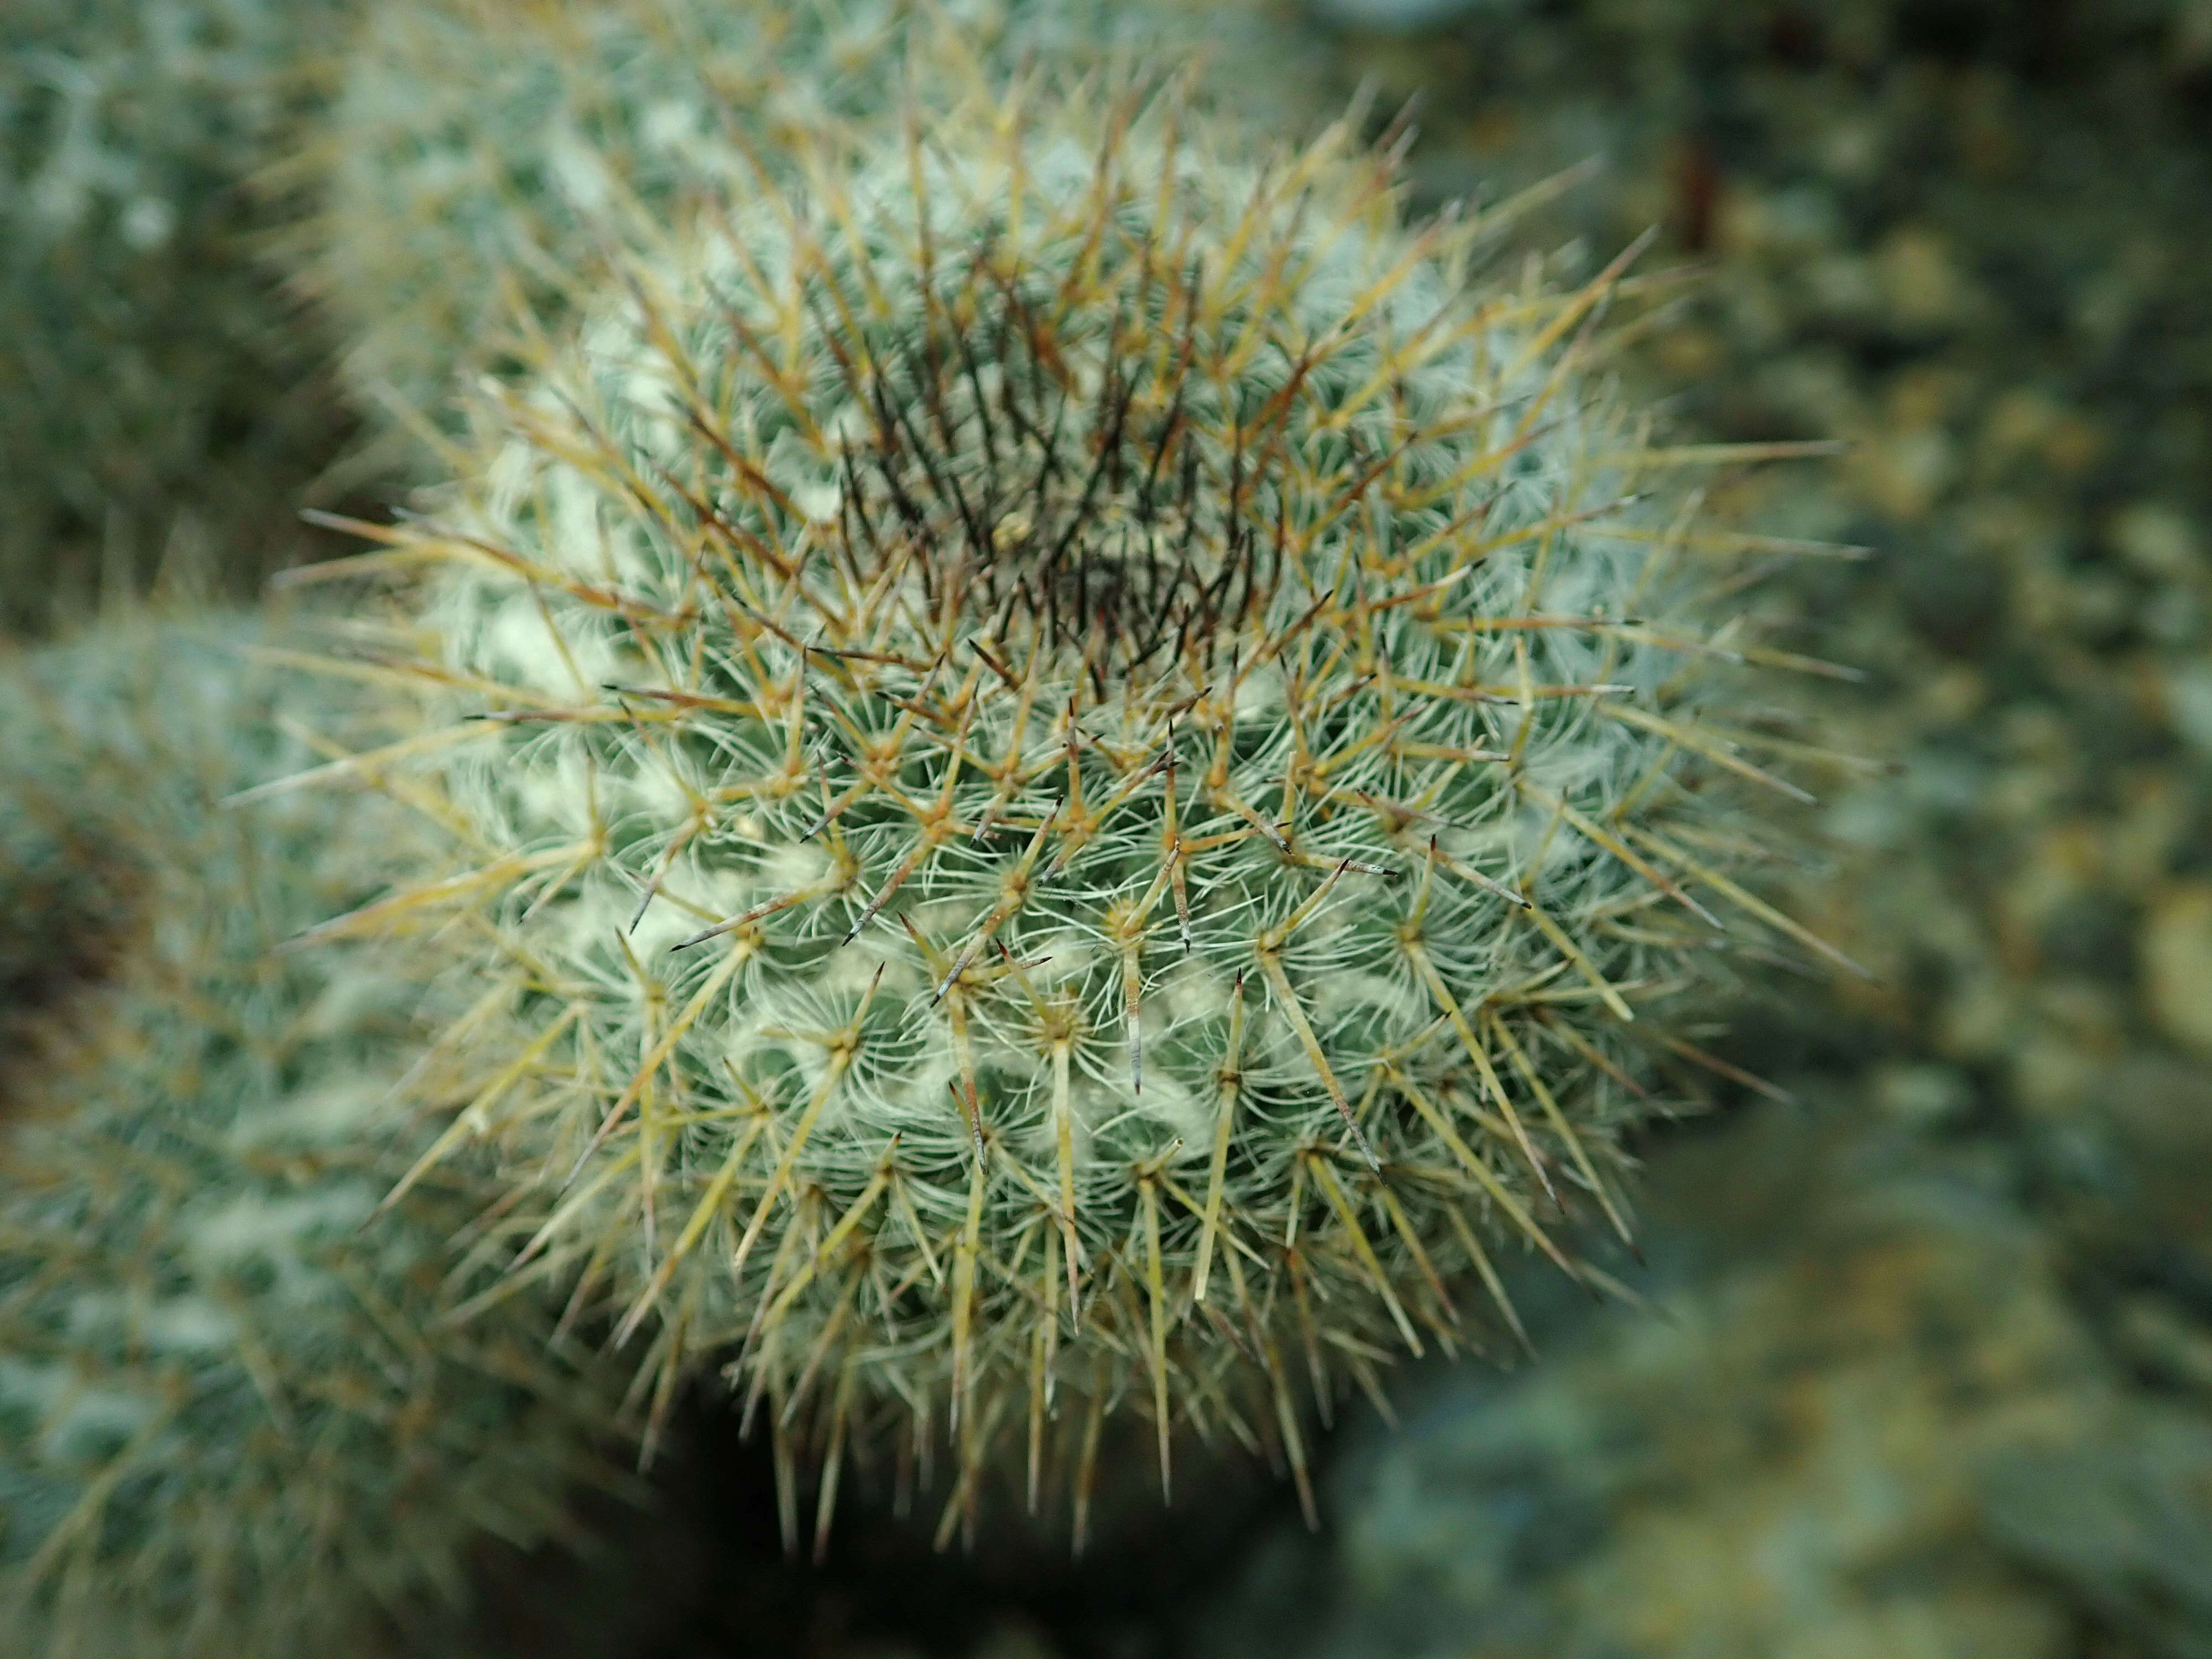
x=1086 y=758
x=156 y=389
x=483 y=156
x=231 y=1420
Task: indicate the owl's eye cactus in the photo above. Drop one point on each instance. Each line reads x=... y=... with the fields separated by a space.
x=1086 y=752
x=233 y=1419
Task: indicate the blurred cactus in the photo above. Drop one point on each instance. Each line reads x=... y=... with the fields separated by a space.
x=483 y=156
x=158 y=397
x=233 y=1417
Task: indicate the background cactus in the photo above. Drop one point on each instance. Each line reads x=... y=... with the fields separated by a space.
x=481 y=153
x=158 y=396
x=1084 y=755
x=231 y=1419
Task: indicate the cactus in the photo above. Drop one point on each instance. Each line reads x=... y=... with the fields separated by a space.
x=157 y=395
x=1083 y=750
x=482 y=156
x=231 y=1419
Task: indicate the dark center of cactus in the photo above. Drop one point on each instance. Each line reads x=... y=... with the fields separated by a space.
x=1055 y=476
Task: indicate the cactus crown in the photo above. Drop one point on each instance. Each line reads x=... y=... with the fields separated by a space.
x=1087 y=754
x=1080 y=536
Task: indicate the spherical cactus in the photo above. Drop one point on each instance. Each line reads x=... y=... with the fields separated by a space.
x=1086 y=750
x=482 y=156
x=233 y=1418
x=157 y=392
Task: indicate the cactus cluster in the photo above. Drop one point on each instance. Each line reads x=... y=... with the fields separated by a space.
x=156 y=391
x=1081 y=749
x=233 y=1418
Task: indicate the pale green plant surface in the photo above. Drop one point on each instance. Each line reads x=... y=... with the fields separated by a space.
x=231 y=1420
x=1085 y=752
